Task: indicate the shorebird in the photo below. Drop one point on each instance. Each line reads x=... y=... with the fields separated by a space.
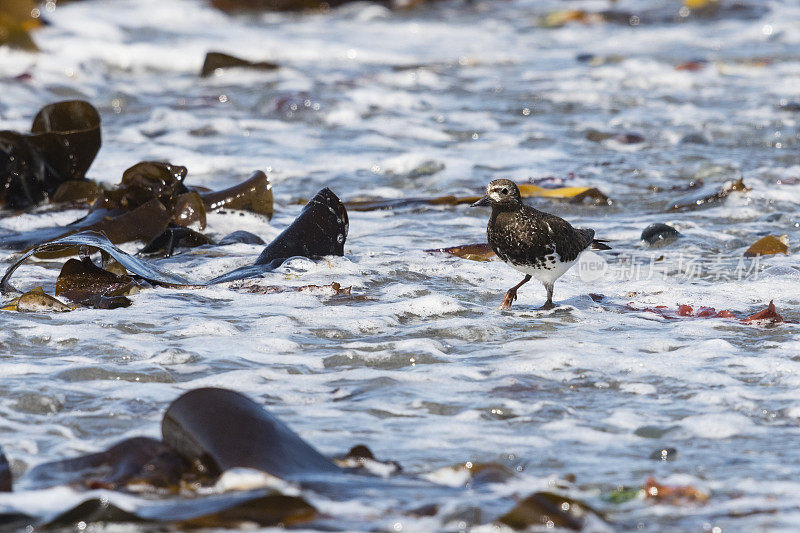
x=536 y=243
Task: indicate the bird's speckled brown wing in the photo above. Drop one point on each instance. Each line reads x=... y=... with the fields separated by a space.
x=525 y=236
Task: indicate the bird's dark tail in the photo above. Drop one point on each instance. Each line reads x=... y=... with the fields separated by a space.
x=599 y=244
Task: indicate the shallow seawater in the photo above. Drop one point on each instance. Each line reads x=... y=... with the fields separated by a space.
x=419 y=364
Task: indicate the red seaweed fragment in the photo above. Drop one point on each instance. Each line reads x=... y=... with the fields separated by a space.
x=769 y=314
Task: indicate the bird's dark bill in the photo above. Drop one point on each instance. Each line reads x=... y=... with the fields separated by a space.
x=483 y=202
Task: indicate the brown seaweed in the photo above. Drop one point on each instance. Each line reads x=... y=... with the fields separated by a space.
x=84 y=283
x=63 y=143
x=134 y=460
x=547 y=510
x=219 y=60
x=223 y=429
x=150 y=197
x=254 y=195
x=97 y=241
x=473 y=252
x=319 y=230
x=222 y=511
x=527 y=190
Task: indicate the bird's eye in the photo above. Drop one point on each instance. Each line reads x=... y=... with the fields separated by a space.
x=504 y=191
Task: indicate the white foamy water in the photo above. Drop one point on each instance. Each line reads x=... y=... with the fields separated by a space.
x=419 y=364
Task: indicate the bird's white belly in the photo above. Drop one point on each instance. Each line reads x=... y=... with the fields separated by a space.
x=549 y=272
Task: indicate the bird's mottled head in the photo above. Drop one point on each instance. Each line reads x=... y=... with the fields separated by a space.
x=500 y=193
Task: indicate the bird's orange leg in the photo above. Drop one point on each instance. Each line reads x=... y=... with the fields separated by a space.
x=511 y=295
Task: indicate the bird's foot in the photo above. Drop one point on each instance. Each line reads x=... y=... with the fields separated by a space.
x=547 y=305
x=509 y=298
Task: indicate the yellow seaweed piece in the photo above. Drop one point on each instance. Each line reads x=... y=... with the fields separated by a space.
x=769 y=245
x=527 y=190
x=36 y=300
x=700 y=4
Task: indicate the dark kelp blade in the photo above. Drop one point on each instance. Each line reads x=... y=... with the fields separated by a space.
x=218 y=60
x=229 y=430
x=93 y=239
x=68 y=133
x=254 y=195
x=706 y=195
x=319 y=230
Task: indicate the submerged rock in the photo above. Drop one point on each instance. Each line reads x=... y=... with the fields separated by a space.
x=241 y=236
x=659 y=234
x=218 y=60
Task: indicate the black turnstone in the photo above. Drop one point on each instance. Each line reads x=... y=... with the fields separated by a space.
x=538 y=244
